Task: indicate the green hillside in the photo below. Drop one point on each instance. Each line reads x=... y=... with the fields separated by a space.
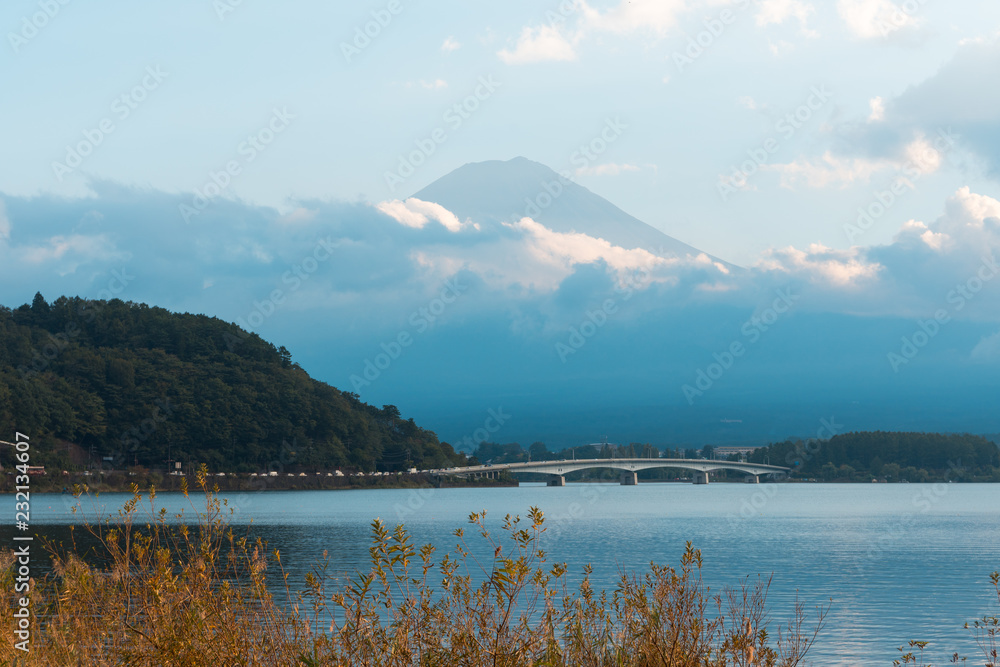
x=93 y=379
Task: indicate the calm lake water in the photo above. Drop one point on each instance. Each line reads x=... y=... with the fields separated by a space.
x=897 y=561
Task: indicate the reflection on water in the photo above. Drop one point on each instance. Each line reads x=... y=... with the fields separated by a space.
x=899 y=562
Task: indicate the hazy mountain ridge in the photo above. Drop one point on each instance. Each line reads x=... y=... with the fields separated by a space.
x=506 y=191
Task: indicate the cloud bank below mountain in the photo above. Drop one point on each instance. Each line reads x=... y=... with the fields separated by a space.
x=492 y=305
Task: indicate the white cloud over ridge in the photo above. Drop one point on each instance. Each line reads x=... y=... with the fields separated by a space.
x=387 y=259
x=416 y=213
x=819 y=264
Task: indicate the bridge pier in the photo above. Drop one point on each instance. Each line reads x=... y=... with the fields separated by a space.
x=556 y=480
x=752 y=479
x=700 y=477
x=629 y=479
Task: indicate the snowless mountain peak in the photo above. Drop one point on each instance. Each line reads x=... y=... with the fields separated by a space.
x=506 y=191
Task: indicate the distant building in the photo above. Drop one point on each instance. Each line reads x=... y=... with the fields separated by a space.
x=726 y=452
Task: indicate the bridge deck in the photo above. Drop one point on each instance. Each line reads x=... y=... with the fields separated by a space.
x=563 y=467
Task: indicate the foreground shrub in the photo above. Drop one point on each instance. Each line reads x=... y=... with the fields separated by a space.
x=174 y=595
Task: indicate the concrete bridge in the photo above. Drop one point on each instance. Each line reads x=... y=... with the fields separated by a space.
x=557 y=470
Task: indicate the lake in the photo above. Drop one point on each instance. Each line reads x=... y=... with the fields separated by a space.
x=897 y=561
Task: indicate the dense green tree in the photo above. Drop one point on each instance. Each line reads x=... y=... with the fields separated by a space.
x=90 y=379
x=894 y=456
x=538 y=452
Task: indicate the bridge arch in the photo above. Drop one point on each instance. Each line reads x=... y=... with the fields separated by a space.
x=558 y=469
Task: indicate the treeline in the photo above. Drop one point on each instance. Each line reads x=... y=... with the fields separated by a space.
x=95 y=380
x=492 y=452
x=861 y=456
x=889 y=456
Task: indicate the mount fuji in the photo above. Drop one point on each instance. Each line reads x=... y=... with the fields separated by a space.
x=505 y=191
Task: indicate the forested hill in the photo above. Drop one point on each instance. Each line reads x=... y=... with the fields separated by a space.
x=894 y=456
x=92 y=379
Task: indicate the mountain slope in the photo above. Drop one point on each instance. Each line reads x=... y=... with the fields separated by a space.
x=141 y=385
x=503 y=191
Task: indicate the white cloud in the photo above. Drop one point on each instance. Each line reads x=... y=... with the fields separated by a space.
x=877 y=110
x=298 y=215
x=450 y=44
x=417 y=213
x=69 y=251
x=609 y=169
x=919 y=156
x=779 y=11
x=922 y=155
x=870 y=19
x=566 y=249
x=918 y=230
x=635 y=15
x=526 y=255
x=968 y=213
x=747 y=102
x=908 y=277
x=577 y=20
x=819 y=263
x=544 y=43
x=827 y=170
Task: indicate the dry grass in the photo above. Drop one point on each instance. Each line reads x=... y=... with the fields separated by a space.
x=177 y=595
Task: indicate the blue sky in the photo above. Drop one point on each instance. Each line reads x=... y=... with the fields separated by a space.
x=563 y=70
x=201 y=155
